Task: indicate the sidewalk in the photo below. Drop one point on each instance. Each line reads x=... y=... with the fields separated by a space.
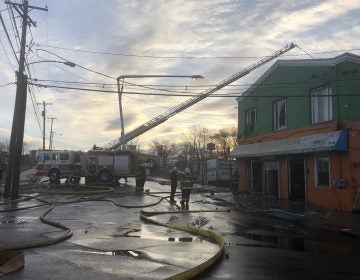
x=296 y=211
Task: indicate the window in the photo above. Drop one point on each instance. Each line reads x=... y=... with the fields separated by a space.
x=280 y=111
x=46 y=156
x=321 y=105
x=64 y=156
x=55 y=156
x=250 y=117
x=322 y=171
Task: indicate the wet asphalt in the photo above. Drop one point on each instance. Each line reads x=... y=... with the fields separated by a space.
x=111 y=242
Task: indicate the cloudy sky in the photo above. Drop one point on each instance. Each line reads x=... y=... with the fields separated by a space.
x=214 y=39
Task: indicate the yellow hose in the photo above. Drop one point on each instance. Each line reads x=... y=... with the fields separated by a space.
x=196 y=270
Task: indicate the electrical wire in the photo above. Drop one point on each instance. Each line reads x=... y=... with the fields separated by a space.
x=77 y=65
x=8 y=37
x=4 y=85
x=305 y=52
x=162 y=94
x=14 y=26
x=184 y=57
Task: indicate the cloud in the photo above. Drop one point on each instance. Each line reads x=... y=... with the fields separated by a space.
x=162 y=28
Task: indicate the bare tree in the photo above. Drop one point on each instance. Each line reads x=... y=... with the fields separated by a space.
x=164 y=149
x=198 y=138
x=224 y=140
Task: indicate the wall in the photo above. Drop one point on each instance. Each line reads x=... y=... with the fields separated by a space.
x=294 y=81
x=342 y=165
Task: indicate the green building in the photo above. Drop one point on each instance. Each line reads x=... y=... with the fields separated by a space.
x=299 y=130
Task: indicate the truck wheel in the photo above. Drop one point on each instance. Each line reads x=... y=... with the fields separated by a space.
x=54 y=176
x=74 y=180
x=105 y=176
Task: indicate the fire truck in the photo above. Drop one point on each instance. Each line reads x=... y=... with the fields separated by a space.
x=97 y=166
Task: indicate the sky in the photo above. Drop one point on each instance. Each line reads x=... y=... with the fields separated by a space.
x=107 y=39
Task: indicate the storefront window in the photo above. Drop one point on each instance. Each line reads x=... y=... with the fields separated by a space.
x=322 y=171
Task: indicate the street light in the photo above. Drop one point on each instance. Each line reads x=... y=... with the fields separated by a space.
x=68 y=63
x=120 y=89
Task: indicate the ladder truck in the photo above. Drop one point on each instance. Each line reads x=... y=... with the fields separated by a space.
x=116 y=144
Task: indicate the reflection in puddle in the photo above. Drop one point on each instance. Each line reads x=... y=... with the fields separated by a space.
x=148 y=232
x=184 y=239
x=336 y=246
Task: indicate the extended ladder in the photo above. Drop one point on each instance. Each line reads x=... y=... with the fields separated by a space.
x=116 y=144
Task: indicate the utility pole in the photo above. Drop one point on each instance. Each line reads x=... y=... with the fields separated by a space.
x=51 y=133
x=43 y=113
x=17 y=130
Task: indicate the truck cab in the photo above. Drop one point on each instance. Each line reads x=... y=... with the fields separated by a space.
x=56 y=164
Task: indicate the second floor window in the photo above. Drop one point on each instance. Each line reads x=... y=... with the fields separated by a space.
x=321 y=105
x=250 y=117
x=280 y=114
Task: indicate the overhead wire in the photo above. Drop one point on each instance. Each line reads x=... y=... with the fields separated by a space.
x=5 y=52
x=8 y=37
x=14 y=26
x=183 y=57
x=153 y=93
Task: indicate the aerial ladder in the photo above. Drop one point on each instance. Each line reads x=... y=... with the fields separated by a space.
x=118 y=143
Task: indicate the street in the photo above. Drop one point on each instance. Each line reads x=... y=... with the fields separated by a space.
x=110 y=241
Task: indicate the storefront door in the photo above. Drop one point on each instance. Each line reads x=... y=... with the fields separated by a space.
x=297 y=179
x=256 y=176
x=271 y=177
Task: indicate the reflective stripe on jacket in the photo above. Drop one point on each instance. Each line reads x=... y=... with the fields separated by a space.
x=186 y=182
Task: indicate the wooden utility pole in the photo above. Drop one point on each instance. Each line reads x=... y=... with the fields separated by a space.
x=43 y=113
x=17 y=130
x=51 y=132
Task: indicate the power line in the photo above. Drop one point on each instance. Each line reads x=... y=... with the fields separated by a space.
x=305 y=51
x=4 y=85
x=161 y=94
x=185 y=57
x=8 y=58
x=14 y=26
x=192 y=87
x=77 y=65
x=7 y=35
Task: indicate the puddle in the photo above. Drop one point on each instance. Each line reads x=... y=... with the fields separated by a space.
x=150 y=232
x=20 y=220
x=158 y=258
x=327 y=244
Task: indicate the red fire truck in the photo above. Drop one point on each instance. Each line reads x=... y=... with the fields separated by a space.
x=96 y=166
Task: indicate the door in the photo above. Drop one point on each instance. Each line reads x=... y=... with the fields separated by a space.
x=297 y=179
x=256 y=176
x=271 y=176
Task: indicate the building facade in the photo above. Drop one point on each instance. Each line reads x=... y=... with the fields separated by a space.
x=299 y=132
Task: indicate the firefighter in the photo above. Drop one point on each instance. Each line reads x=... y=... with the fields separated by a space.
x=186 y=186
x=140 y=178
x=174 y=180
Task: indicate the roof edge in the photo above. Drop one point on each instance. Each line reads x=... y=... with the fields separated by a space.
x=301 y=62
